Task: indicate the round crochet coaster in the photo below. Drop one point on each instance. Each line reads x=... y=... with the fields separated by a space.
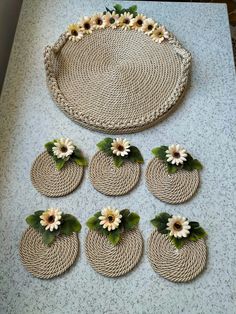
x=170 y=188
x=52 y=182
x=116 y=81
x=176 y=265
x=114 y=260
x=111 y=180
x=44 y=261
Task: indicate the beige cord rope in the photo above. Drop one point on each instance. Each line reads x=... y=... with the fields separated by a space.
x=176 y=265
x=116 y=81
x=110 y=260
x=44 y=261
x=111 y=180
x=52 y=182
x=170 y=188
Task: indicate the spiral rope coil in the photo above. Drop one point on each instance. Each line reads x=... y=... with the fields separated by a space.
x=170 y=188
x=44 y=261
x=52 y=182
x=111 y=180
x=114 y=260
x=176 y=265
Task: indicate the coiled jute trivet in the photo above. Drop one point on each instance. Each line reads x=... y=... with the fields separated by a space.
x=44 y=261
x=114 y=260
x=176 y=265
x=52 y=182
x=116 y=81
x=170 y=188
x=111 y=180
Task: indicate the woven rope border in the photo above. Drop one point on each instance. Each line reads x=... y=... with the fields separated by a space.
x=176 y=265
x=114 y=261
x=110 y=180
x=53 y=183
x=136 y=125
x=47 y=262
x=171 y=188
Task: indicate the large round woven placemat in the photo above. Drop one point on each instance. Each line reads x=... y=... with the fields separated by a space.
x=52 y=182
x=111 y=180
x=44 y=261
x=170 y=188
x=176 y=265
x=116 y=81
x=114 y=260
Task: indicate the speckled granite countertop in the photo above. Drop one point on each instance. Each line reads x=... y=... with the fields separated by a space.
x=204 y=123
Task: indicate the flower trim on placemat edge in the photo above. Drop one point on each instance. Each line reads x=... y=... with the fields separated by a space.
x=121 y=150
x=52 y=222
x=117 y=18
x=179 y=229
x=175 y=157
x=63 y=150
x=111 y=222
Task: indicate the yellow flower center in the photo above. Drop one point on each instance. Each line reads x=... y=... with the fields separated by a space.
x=112 y=20
x=177 y=226
x=150 y=27
x=160 y=34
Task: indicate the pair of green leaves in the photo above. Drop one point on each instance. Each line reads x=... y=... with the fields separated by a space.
x=120 y=10
x=196 y=232
x=160 y=222
x=190 y=164
x=69 y=224
x=77 y=156
x=129 y=221
x=134 y=155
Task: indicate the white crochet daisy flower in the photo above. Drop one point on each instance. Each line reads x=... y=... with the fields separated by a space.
x=159 y=34
x=178 y=226
x=176 y=154
x=126 y=20
x=110 y=218
x=63 y=148
x=148 y=26
x=138 y=21
x=120 y=147
x=73 y=32
x=112 y=20
x=86 y=25
x=98 y=21
x=50 y=219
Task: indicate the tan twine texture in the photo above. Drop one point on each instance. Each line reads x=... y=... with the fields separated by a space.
x=176 y=265
x=44 y=261
x=116 y=81
x=110 y=260
x=111 y=180
x=170 y=188
x=52 y=182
